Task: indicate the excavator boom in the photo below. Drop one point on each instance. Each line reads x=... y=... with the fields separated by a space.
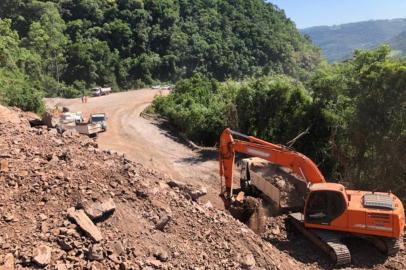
x=300 y=165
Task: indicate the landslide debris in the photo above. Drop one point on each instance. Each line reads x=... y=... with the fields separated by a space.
x=65 y=204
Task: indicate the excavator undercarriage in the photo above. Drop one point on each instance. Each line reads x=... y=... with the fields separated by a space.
x=332 y=243
x=329 y=242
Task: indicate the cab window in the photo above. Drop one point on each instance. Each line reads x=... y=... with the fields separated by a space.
x=324 y=206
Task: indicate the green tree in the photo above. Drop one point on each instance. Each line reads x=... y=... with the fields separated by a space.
x=46 y=37
x=16 y=88
x=92 y=62
x=378 y=129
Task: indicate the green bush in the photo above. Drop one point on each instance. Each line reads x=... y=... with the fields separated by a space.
x=16 y=90
x=355 y=114
x=201 y=107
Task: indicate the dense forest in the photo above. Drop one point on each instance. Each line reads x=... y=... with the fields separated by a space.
x=354 y=114
x=62 y=48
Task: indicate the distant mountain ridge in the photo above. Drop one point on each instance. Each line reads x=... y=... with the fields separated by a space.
x=399 y=42
x=339 y=41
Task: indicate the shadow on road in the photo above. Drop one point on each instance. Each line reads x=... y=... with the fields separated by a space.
x=203 y=153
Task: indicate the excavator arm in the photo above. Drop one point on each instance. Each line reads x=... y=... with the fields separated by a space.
x=301 y=165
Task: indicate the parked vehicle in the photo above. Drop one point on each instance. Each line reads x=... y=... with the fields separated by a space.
x=99 y=118
x=89 y=129
x=71 y=117
x=100 y=91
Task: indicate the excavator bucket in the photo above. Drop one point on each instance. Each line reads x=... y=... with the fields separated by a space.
x=250 y=211
x=257 y=220
x=282 y=191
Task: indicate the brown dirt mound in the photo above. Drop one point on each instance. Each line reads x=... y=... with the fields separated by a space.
x=148 y=224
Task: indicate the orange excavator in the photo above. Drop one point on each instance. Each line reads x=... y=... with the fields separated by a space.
x=331 y=212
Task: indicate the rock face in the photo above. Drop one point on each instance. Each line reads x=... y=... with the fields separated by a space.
x=84 y=222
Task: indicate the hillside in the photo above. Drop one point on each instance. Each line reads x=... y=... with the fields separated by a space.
x=338 y=42
x=398 y=43
x=66 y=47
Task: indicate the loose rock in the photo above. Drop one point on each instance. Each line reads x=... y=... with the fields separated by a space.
x=3 y=165
x=162 y=222
x=194 y=192
x=49 y=172
x=96 y=253
x=61 y=266
x=42 y=255
x=99 y=209
x=98 y=266
x=248 y=261
x=84 y=222
x=9 y=262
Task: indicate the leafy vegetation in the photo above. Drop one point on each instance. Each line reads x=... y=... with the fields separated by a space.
x=18 y=67
x=338 y=42
x=200 y=107
x=132 y=43
x=354 y=112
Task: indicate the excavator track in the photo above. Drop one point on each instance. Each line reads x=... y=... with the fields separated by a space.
x=339 y=252
x=329 y=242
x=392 y=246
x=388 y=246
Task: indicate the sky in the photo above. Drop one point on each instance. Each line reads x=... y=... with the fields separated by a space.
x=306 y=13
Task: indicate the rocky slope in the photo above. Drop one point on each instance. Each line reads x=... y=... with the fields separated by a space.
x=65 y=204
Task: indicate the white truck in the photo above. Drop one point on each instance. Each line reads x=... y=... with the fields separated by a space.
x=100 y=91
x=89 y=129
x=71 y=117
x=97 y=123
x=99 y=118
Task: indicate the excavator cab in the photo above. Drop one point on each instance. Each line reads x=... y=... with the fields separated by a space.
x=324 y=206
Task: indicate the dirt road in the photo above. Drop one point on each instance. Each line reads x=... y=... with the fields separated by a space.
x=143 y=141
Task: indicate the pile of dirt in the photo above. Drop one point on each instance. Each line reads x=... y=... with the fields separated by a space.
x=66 y=204
x=292 y=190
